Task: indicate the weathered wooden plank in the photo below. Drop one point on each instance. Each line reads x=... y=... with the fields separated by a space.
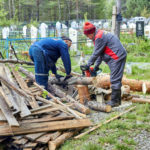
x=20 y=100
x=30 y=145
x=47 y=110
x=8 y=113
x=6 y=98
x=2 y=117
x=48 y=118
x=8 y=90
x=23 y=86
x=21 y=141
x=27 y=128
x=45 y=138
x=34 y=136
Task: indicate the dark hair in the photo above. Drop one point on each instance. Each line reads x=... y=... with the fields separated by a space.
x=66 y=38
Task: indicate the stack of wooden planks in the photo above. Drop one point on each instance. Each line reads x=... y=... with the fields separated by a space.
x=29 y=121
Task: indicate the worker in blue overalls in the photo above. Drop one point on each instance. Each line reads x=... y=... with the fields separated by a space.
x=45 y=53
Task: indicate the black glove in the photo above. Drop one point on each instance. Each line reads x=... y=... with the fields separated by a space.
x=96 y=68
x=58 y=77
x=84 y=67
x=67 y=77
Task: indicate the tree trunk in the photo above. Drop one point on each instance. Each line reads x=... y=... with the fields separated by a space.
x=118 y=22
x=38 y=10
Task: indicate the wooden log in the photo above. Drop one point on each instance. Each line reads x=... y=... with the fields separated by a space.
x=98 y=106
x=72 y=73
x=140 y=100
x=16 y=62
x=83 y=93
x=26 y=128
x=105 y=122
x=81 y=108
x=58 y=141
x=135 y=85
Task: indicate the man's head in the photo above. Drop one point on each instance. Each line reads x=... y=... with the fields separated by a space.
x=67 y=40
x=89 y=30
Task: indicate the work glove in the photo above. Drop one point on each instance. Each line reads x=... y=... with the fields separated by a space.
x=67 y=77
x=58 y=76
x=95 y=70
x=84 y=67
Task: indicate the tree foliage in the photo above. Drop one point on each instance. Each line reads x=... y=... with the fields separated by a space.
x=63 y=10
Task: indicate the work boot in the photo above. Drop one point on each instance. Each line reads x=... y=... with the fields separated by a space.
x=115 y=98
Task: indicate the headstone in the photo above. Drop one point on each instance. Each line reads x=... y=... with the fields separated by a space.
x=5 y=32
x=74 y=25
x=33 y=31
x=139 y=28
x=24 y=30
x=147 y=31
x=124 y=26
x=43 y=29
x=58 y=29
x=73 y=36
x=89 y=43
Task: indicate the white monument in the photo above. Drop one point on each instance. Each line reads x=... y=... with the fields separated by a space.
x=58 y=29
x=73 y=36
x=74 y=25
x=5 y=32
x=33 y=31
x=43 y=28
x=24 y=31
x=147 y=31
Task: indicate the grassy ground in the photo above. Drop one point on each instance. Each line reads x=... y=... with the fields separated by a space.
x=117 y=135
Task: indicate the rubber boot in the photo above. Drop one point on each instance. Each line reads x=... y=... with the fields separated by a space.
x=115 y=98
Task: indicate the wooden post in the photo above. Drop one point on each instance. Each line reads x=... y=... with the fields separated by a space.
x=114 y=13
x=83 y=93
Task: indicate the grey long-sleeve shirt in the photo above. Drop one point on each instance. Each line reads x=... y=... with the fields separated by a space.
x=107 y=47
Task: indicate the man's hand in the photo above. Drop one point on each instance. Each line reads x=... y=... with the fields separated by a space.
x=96 y=68
x=67 y=77
x=58 y=77
x=84 y=67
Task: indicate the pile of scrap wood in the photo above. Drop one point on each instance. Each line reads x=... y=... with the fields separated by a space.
x=29 y=121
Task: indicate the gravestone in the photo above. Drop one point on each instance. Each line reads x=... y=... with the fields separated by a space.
x=33 y=31
x=43 y=29
x=73 y=36
x=5 y=32
x=139 y=28
x=24 y=31
x=58 y=29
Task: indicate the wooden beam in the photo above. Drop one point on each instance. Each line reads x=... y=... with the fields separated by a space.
x=26 y=128
x=8 y=113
